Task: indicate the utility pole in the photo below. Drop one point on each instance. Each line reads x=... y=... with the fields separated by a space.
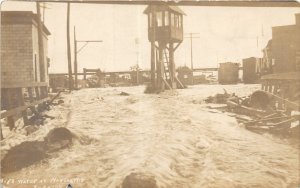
x=76 y=52
x=40 y=43
x=75 y=60
x=137 y=42
x=192 y=36
x=44 y=6
x=69 y=48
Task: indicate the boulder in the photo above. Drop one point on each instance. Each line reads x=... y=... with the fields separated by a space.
x=139 y=180
x=23 y=155
x=58 y=138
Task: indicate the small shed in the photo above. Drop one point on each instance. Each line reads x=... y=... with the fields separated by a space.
x=228 y=73
x=185 y=75
x=249 y=70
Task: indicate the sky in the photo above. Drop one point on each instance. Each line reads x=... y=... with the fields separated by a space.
x=225 y=34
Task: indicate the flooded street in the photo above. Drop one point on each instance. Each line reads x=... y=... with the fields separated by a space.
x=172 y=136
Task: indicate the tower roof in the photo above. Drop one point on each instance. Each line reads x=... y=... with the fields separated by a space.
x=163 y=8
x=21 y=17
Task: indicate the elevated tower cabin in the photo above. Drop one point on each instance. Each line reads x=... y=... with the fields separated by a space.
x=165 y=29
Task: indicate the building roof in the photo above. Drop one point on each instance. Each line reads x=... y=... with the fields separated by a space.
x=21 y=17
x=163 y=7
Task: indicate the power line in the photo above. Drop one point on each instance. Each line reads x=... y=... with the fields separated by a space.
x=192 y=36
x=44 y=7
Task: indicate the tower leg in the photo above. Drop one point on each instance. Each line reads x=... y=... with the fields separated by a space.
x=153 y=65
x=160 y=69
x=172 y=66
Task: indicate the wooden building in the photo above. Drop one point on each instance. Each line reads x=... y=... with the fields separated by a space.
x=249 y=70
x=23 y=71
x=282 y=53
x=228 y=73
x=20 y=64
x=185 y=75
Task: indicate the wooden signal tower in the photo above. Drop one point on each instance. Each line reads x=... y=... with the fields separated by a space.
x=165 y=30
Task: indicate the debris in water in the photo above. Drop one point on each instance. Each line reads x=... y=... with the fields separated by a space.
x=259 y=107
x=218 y=98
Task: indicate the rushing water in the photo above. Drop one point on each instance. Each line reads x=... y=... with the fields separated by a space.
x=172 y=136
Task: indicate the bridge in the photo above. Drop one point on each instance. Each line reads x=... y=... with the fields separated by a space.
x=129 y=72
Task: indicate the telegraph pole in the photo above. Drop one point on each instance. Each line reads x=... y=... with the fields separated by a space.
x=75 y=60
x=69 y=48
x=44 y=6
x=137 y=42
x=192 y=36
x=76 y=52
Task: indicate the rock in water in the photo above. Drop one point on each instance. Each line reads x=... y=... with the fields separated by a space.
x=31 y=129
x=259 y=99
x=139 y=180
x=58 y=138
x=23 y=155
x=124 y=94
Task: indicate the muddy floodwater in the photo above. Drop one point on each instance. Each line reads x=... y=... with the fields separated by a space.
x=172 y=136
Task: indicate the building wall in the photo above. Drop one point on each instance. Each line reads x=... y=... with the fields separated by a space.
x=16 y=54
x=284 y=48
x=35 y=54
x=19 y=51
x=297 y=42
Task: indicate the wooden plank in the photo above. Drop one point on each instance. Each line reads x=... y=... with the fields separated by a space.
x=10 y=97
x=32 y=84
x=167 y=84
x=21 y=102
x=182 y=86
x=232 y=3
x=21 y=108
x=292 y=105
x=282 y=76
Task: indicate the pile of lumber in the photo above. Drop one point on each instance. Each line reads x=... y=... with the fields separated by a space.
x=260 y=108
x=278 y=123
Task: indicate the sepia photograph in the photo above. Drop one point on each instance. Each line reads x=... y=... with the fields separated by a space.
x=150 y=94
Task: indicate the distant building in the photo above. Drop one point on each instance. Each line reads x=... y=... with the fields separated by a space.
x=249 y=70
x=185 y=75
x=228 y=73
x=20 y=64
x=282 y=54
x=58 y=82
x=265 y=64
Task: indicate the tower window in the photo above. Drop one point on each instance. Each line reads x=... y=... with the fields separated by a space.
x=159 y=19
x=150 y=19
x=166 y=18
x=172 y=20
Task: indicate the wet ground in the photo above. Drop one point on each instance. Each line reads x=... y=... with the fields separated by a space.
x=172 y=136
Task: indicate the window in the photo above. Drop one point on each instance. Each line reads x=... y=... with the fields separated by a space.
x=159 y=19
x=150 y=19
x=172 y=20
x=176 y=21
x=166 y=18
x=179 y=21
x=35 y=69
